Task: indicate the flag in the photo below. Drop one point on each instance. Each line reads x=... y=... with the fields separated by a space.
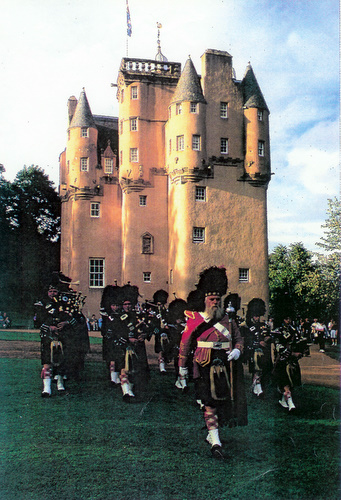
x=129 y=28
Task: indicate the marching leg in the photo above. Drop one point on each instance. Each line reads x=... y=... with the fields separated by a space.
x=126 y=386
x=256 y=385
x=162 y=364
x=60 y=385
x=211 y=420
x=114 y=375
x=46 y=375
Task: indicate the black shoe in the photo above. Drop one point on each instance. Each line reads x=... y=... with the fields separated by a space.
x=217 y=452
x=127 y=398
x=45 y=395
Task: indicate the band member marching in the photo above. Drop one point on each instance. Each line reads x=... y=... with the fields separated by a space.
x=135 y=372
x=216 y=365
x=257 y=345
x=64 y=342
x=289 y=348
x=161 y=346
x=111 y=311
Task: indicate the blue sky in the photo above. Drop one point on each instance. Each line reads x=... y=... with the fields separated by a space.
x=50 y=49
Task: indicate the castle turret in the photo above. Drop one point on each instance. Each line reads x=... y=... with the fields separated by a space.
x=81 y=150
x=186 y=126
x=256 y=123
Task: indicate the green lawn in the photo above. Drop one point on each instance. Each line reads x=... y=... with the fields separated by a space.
x=89 y=444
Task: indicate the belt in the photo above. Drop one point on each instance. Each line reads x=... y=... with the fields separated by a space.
x=214 y=345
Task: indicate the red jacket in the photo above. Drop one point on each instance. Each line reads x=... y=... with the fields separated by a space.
x=224 y=330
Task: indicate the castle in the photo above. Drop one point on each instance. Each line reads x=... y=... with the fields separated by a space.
x=176 y=183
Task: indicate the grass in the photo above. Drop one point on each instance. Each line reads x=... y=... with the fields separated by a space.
x=89 y=444
x=33 y=336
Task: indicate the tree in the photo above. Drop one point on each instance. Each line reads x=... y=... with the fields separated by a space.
x=329 y=262
x=304 y=284
x=332 y=240
x=291 y=276
x=29 y=228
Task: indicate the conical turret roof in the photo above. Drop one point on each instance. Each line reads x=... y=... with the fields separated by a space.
x=83 y=116
x=253 y=97
x=188 y=88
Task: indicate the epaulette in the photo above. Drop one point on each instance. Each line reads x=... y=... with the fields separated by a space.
x=190 y=314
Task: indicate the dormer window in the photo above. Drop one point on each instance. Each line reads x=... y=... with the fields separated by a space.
x=108 y=166
x=179 y=109
x=133 y=93
x=260 y=115
x=84 y=132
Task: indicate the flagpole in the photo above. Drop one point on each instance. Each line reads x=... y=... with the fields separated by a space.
x=129 y=28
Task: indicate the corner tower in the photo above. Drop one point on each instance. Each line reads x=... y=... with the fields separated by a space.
x=91 y=202
x=145 y=88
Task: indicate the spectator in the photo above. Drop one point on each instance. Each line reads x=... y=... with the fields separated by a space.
x=332 y=329
x=93 y=323
x=6 y=322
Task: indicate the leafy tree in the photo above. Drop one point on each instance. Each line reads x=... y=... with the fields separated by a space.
x=29 y=229
x=291 y=274
x=329 y=262
x=331 y=242
x=304 y=284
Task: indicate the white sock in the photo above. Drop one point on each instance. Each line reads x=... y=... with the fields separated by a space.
x=213 y=437
x=47 y=385
x=162 y=366
x=115 y=377
x=60 y=385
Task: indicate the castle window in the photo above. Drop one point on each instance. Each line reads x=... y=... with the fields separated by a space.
x=133 y=93
x=200 y=193
x=121 y=158
x=224 y=146
x=96 y=273
x=121 y=126
x=179 y=109
x=224 y=110
x=143 y=200
x=133 y=124
x=170 y=146
x=147 y=241
x=68 y=166
x=198 y=235
x=84 y=164
x=196 y=142
x=180 y=143
x=261 y=148
x=169 y=112
x=122 y=95
x=108 y=166
x=84 y=132
x=94 y=209
x=68 y=135
x=260 y=115
x=134 y=154
x=147 y=277
x=193 y=107
x=244 y=275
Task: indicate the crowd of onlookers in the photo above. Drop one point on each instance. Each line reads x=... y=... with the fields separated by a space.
x=319 y=332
